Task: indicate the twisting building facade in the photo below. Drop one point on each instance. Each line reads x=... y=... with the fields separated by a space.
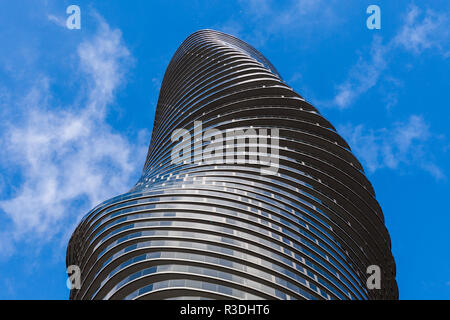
x=206 y=223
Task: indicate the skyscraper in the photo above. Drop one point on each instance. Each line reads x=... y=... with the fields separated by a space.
x=247 y=192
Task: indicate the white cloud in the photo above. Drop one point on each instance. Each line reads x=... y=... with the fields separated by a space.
x=363 y=76
x=103 y=59
x=295 y=13
x=415 y=36
x=69 y=159
x=258 y=8
x=59 y=21
x=434 y=170
x=405 y=143
x=270 y=18
x=232 y=27
x=431 y=32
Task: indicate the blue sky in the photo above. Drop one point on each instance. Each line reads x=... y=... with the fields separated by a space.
x=77 y=106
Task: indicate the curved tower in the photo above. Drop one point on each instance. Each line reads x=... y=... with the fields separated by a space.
x=247 y=192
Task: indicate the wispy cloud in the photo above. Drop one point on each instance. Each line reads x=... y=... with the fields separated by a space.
x=103 y=60
x=430 y=32
x=363 y=76
x=416 y=35
x=405 y=143
x=58 y=20
x=270 y=18
x=69 y=158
